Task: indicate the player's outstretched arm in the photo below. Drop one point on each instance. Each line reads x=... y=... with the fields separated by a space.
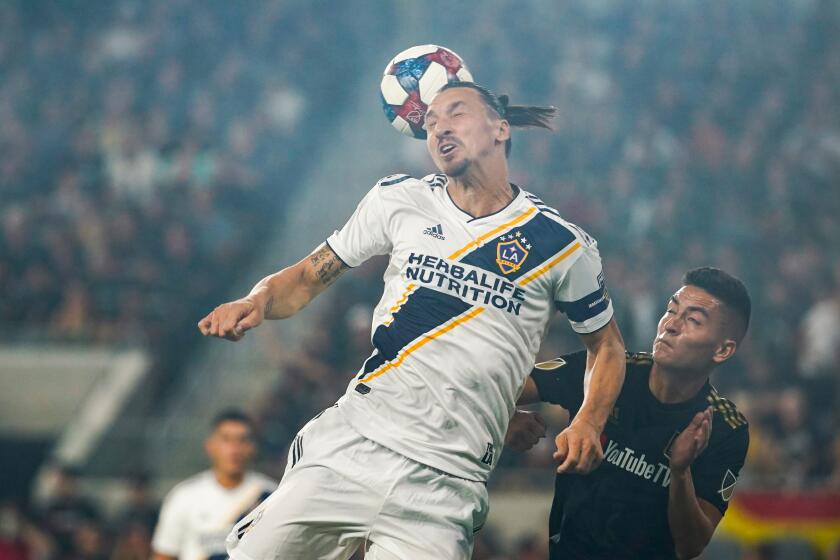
x=277 y=296
x=578 y=446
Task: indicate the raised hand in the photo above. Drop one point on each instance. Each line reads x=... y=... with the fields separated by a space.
x=692 y=441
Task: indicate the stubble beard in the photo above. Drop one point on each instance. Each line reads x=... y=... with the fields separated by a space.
x=457 y=169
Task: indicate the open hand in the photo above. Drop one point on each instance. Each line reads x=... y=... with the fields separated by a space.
x=692 y=441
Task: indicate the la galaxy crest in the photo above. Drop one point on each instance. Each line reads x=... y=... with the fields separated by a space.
x=511 y=252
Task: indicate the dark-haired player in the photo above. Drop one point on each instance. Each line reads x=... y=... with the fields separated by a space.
x=477 y=268
x=673 y=445
x=199 y=512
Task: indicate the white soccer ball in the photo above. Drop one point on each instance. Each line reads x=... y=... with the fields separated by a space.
x=412 y=79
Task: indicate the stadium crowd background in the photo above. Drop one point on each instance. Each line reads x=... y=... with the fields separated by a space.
x=690 y=133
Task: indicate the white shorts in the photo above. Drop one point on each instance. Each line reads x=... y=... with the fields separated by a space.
x=341 y=490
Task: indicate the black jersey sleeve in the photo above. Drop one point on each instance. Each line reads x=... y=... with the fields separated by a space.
x=716 y=471
x=560 y=381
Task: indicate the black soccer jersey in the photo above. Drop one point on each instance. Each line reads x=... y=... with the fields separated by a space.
x=620 y=510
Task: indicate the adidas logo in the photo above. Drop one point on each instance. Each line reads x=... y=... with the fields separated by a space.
x=434 y=231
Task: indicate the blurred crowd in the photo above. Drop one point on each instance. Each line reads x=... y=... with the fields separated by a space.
x=690 y=133
x=68 y=525
x=143 y=149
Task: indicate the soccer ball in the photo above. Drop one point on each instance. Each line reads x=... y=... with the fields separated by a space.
x=412 y=79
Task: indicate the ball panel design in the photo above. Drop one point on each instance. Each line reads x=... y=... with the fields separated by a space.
x=402 y=125
x=412 y=52
x=435 y=78
x=392 y=92
x=412 y=79
x=464 y=75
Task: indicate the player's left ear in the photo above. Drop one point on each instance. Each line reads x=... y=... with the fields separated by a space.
x=503 y=132
x=724 y=350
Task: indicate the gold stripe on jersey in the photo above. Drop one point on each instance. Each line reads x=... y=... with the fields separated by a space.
x=492 y=233
x=726 y=408
x=424 y=339
x=399 y=303
x=639 y=358
x=546 y=267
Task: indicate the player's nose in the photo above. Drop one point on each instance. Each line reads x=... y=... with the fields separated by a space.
x=673 y=325
x=442 y=135
x=442 y=129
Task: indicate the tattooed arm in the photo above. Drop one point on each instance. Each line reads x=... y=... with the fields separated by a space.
x=278 y=296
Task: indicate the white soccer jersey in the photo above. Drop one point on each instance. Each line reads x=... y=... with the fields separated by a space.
x=199 y=512
x=466 y=304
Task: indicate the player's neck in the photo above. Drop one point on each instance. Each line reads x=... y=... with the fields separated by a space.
x=482 y=191
x=228 y=480
x=671 y=387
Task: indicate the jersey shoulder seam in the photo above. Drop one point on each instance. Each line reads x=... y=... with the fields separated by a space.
x=435 y=180
x=639 y=358
x=727 y=409
x=542 y=206
x=554 y=216
x=391 y=180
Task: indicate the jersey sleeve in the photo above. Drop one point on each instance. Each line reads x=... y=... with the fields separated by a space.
x=716 y=471
x=582 y=294
x=170 y=529
x=560 y=381
x=365 y=234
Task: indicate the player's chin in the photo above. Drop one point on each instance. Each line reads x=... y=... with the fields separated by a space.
x=453 y=168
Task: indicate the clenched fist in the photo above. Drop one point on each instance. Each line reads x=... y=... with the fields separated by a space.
x=578 y=448
x=524 y=430
x=231 y=320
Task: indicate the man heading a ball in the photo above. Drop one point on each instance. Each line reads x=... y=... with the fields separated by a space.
x=477 y=268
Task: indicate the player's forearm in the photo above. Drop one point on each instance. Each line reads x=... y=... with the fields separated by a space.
x=282 y=294
x=286 y=292
x=530 y=394
x=606 y=363
x=690 y=528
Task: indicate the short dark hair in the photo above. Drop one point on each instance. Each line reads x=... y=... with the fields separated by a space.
x=515 y=115
x=728 y=289
x=233 y=415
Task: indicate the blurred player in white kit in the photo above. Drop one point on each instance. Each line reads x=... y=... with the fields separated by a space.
x=199 y=512
x=477 y=269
